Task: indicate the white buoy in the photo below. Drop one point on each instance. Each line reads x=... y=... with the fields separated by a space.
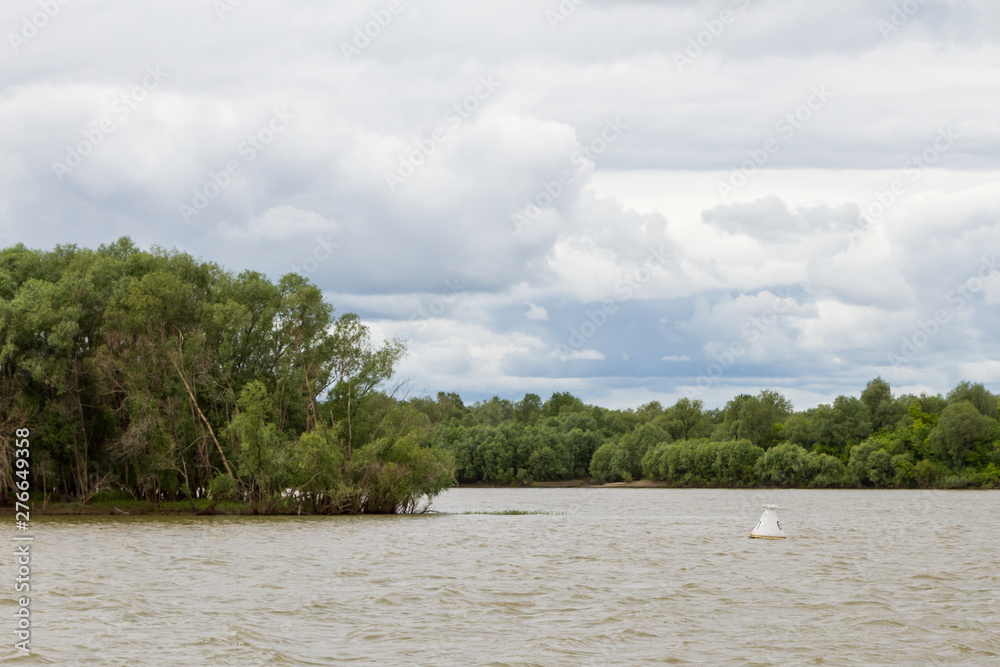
x=769 y=528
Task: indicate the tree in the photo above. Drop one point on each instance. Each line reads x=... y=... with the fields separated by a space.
x=581 y=445
x=786 y=465
x=799 y=429
x=494 y=411
x=261 y=452
x=839 y=426
x=754 y=418
x=960 y=427
x=528 y=409
x=356 y=368
x=976 y=394
x=734 y=462
x=448 y=406
x=686 y=419
x=883 y=411
x=561 y=402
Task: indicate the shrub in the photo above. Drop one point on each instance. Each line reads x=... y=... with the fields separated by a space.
x=788 y=465
x=222 y=488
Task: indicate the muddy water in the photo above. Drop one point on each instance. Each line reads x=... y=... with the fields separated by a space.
x=608 y=576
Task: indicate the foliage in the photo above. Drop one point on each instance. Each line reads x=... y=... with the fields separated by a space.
x=172 y=378
x=758 y=419
x=790 y=465
x=703 y=462
x=960 y=427
x=622 y=458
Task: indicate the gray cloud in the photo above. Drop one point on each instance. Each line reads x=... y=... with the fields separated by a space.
x=314 y=197
x=770 y=219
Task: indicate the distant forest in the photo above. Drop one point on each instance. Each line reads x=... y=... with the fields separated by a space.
x=156 y=375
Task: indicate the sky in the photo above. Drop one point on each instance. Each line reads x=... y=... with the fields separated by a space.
x=629 y=200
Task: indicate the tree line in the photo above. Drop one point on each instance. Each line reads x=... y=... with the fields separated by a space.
x=159 y=376
x=878 y=440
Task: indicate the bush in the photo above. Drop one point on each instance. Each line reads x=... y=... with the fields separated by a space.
x=703 y=462
x=787 y=465
x=600 y=464
x=827 y=471
x=989 y=477
x=735 y=461
x=222 y=489
x=871 y=464
x=623 y=459
x=928 y=474
x=904 y=472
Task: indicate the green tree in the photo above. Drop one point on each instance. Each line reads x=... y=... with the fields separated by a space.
x=984 y=401
x=838 y=427
x=621 y=459
x=493 y=412
x=799 y=429
x=883 y=411
x=261 y=452
x=755 y=418
x=561 y=402
x=686 y=419
x=790 y=465
x=357 y=367
x=960 y=427
x=528 y=409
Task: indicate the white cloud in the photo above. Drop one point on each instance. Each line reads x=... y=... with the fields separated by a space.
x=441 y=259
x=578 y=355
x=536 y=312
x=279 y=223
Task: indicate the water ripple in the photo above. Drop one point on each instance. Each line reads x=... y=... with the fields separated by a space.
x=616 y=577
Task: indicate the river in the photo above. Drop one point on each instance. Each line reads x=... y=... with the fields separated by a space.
x=605 y=576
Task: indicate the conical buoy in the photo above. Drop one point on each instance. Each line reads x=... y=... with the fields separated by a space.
x=769 y=528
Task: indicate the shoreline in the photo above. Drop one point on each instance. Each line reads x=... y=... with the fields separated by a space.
x=183 y=508
x=572 y=484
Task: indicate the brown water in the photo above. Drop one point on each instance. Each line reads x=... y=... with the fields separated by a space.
x=617 y=576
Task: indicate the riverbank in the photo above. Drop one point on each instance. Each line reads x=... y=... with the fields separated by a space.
x=206 y=507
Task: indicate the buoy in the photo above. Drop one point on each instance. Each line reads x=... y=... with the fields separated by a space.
x=769 y=528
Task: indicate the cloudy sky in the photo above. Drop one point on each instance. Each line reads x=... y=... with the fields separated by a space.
x=628 y=200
